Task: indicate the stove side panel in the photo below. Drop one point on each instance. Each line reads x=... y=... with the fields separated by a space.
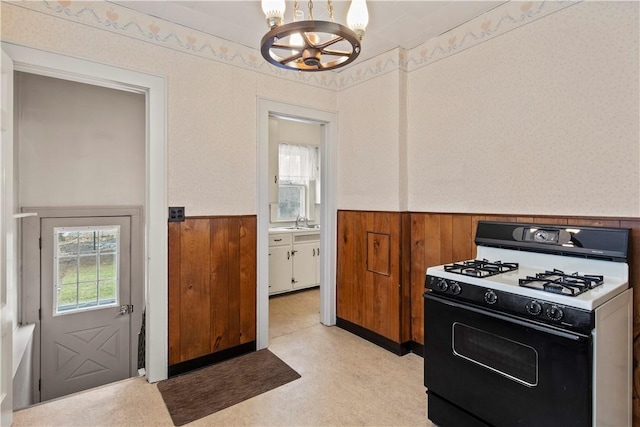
x=613 y=362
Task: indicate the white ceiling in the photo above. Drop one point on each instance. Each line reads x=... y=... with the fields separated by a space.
x=392 y=23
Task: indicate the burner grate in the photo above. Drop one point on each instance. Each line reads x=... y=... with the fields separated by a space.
x=559 y=282
x=480 y=268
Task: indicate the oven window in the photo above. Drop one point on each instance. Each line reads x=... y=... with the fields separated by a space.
x=515 y=361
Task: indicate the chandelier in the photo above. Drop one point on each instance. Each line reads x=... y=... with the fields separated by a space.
x=310 y=45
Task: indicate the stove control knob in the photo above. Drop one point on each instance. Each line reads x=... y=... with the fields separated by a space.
x=490 y=297
x=455 y=288
x=442 y=285
x=554 y=313
x=534 y=308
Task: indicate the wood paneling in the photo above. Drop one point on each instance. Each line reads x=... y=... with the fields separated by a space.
x=195 y=291
x=368 y=247
x=379 y=253
x=212 y=285
x=174 y=292
x=248 y=279
x=442 y=238
x=219 y=284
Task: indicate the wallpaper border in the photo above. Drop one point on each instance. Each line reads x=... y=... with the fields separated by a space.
x=121 y=20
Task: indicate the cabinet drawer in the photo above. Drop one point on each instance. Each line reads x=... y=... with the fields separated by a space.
x=302 y=238
x=279 y=239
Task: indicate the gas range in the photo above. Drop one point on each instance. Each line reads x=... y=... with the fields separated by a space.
x=515 y=280
x=541 y=308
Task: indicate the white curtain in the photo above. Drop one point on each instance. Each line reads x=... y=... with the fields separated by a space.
x=297 y=164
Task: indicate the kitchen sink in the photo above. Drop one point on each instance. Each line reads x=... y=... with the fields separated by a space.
x=302 y=227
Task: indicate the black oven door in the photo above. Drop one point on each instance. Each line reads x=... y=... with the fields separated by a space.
x=485 y=368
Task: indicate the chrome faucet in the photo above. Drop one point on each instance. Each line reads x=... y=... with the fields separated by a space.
x=299 y=219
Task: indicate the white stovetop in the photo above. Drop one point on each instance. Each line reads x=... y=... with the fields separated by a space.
x=616 y=276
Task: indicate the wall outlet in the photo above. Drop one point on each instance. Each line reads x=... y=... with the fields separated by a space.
x=176 y=214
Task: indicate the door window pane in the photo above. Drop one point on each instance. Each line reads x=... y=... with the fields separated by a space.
x=87 y=294
x=86 y=268
x=106 y=292
x=68 y=270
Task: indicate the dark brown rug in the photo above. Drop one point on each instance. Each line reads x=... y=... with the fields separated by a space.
x=208 y=390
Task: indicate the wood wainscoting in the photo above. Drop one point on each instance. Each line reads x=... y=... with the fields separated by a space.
x=370 y=300
x=212 y=289
x=443 y=238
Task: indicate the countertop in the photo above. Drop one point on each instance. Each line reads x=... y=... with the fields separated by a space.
x=278 y=230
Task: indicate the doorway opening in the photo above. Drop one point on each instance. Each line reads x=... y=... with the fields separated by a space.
x=295 y=219
x=153 y=218
x=326 y=125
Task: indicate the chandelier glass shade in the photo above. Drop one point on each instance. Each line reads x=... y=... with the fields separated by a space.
x=312 y=45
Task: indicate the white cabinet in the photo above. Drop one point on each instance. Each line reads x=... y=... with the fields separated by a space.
x=280 y=263
x=304 y=265
x=294 y=261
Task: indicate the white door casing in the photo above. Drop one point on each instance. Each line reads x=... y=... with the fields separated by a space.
x=83 y=344
x=155 y=210
x=8 y=299
x=328 y=245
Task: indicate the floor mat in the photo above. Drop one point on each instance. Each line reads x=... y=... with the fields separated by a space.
x=205 y=391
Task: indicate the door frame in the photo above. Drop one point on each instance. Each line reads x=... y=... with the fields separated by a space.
x=155 y=268
x=31 y=277
x=328 y=229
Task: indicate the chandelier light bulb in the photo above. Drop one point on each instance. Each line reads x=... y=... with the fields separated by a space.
x=274 y=12
x=358 y=17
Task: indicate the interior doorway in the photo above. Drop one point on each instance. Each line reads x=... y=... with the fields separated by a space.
x=328 y=213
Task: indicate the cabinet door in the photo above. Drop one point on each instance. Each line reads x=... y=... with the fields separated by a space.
x=280 y=263
x=304 y=265
x=317 y=256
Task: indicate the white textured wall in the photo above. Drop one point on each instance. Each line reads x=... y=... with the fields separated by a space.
x=540 y=120
x=211 y=106
x=369 y=134
x=547 y=111
x=79 y=145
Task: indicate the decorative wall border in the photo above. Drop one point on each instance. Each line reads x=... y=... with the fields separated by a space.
x=496 y=22
x=120 y=20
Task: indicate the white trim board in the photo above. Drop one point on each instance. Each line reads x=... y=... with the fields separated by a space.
x=155 y=221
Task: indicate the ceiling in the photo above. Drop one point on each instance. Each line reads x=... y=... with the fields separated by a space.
x=392 y=24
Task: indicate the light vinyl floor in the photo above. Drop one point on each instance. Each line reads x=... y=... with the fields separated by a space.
x=346 y=381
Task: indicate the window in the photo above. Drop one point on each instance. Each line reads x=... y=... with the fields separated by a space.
x=291 y=201
x=85 y=268
x=297 y=169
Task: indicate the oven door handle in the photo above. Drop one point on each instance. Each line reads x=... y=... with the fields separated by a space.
x=574 y=336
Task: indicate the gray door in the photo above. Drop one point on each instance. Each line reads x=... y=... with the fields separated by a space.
x=85 y=297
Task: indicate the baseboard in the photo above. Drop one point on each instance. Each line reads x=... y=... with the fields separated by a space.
x=210 y=359
x=398 y=348
x=417 y=348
